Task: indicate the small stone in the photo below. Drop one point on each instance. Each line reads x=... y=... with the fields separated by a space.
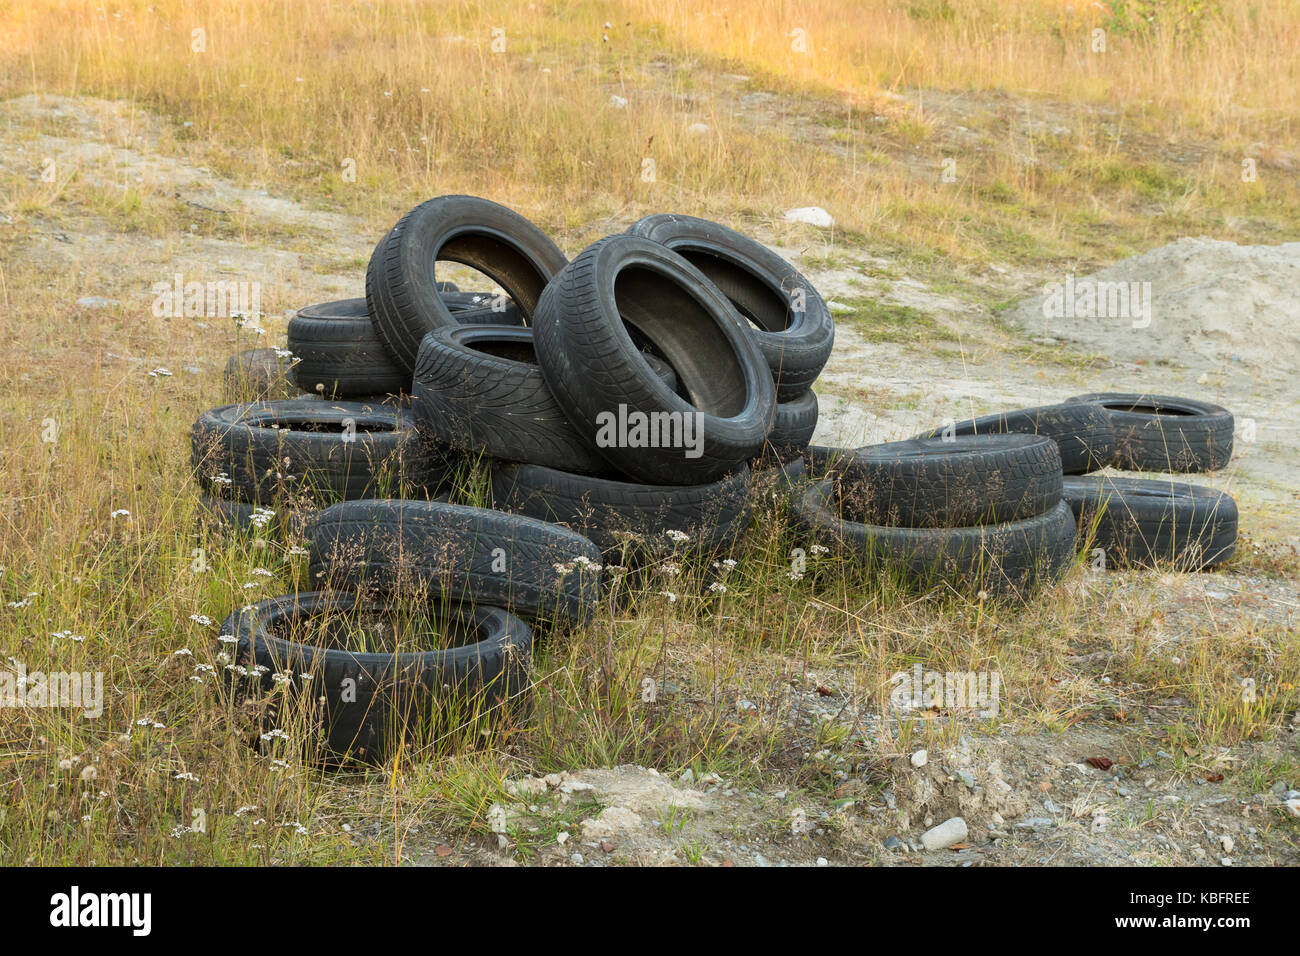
x=561 y=838
x=1293 y=805
x=822 y=861
x=576 y=858
x=618 y=102
x=688 y=776
x=1225 y=841
x=952 y=830
x=920 y=758
x=812 y=215
x=1226 y=861
x=967 y=779
x=1279 y=788
x=893 y=843
x=606 y=846
x=97 y=302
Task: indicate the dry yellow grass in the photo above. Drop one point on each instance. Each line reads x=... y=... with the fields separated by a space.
x=284 y=93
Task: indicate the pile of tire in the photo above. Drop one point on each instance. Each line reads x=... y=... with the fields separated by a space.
x=620 y=403
x=1003 y=500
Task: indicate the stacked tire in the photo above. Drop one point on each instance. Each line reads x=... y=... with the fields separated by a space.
x=1122 y=521
x=981 y=513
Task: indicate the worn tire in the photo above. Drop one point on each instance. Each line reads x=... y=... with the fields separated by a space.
x=1002 y=560
x=714 y=515
x=483 y=308
x=339 y=354
x=595 y=370
x=483 y=235
x=371 y=700
x=823 y=460
x=384 y=454
x=478 y=388
x=1165 y=432
x=1142 y=522
x=761 y=286
x=793 y=424
x=933 y=483
x=1083 y=432
x=259 y=374
x=490 y=557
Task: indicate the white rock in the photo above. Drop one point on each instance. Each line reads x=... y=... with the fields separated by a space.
x=611 y=822
x=688 y=776
x=618 y=102
x=496 y=818
x=576 y=858
x=945 y=834
x=528 y=787
x=812 y=215
x=1293 y=805
x=822 y=861
x=1225 y=841
x=920 y=758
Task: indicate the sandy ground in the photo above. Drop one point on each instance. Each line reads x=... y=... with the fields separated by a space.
x=1028 y=798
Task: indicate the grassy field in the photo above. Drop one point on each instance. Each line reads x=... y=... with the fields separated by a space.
x=946 y=137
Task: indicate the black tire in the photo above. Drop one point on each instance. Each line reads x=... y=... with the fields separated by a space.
x=1002 y=560
x=314 y=455
x=478 y=388
x=596 y=372
x=1164 y=432
x=483 y=235
x=372 y=700
x=823 y=460
x=714 y=516
x=1082 y=432
x=490 y=557
x=793 y=424
x=1142 y=522
x=339 y=354
x=258 y=374
x=762 y=286
x=935 y=483
x=483 y=308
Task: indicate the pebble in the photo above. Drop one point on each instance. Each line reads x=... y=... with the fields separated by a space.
x=618 y=102
x=688 y=776
x=812 y=215
x=97 y=302
x=919 y=758
x=893 y=843
x=576 y=858
x=822 y=861
x=1225 y=841
x=952 y=830
x=1030 y=823
x=967 y=778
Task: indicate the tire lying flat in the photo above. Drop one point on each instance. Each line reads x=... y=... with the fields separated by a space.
x=314 y=453
x=794 y=331
x=370 y=698
x=339 y=354
x=400 y=291
x=598 y=375
x=1143 y=522
x=1003 y=560
x=714 y=516
x=939 y=483
x=1082 y=431
x=1165 y=432
x=498 y=559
